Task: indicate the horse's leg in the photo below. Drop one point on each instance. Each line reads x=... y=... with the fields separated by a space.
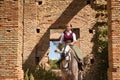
x=75 y=69
x=63 y=76
x=80 y=75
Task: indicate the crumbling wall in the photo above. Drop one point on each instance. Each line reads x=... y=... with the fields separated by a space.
x=41 y=16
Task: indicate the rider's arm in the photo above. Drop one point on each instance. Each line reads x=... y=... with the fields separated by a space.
x=61 y=40
x=74 y=39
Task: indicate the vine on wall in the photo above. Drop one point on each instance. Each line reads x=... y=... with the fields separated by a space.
x=101 y=39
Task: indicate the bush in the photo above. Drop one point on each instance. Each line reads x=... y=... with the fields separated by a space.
x=53 y=64
x=40 y=74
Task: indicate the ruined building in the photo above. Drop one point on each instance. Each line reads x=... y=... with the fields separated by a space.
x=27 y=26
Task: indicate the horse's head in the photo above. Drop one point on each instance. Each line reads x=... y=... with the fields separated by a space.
x=64 y=49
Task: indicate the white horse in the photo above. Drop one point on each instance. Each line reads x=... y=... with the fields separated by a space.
x=69 y=64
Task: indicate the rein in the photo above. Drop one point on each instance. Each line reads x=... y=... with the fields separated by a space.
x=63 y=55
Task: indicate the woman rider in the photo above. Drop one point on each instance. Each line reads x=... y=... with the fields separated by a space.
x=70 y=37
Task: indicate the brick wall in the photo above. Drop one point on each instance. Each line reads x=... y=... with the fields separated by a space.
x=29 y=31
x=114 y=40
x=10 y=69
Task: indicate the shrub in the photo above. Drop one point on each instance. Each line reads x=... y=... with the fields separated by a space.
x=40 y=74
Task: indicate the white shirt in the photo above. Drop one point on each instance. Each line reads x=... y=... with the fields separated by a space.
x=68 y=33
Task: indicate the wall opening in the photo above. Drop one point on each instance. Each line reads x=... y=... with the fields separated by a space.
x=77 y=32
x=8 y=30
x=53 y=56
x=90 y=31
x=38 y=30
x=55 y=35
x=88 y=1
x=53 y=46
x=39 y=2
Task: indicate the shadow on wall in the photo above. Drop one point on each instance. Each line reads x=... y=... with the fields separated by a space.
x=74 y=7
x=98 y=62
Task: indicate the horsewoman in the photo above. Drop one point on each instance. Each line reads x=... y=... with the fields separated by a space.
x=69 y=37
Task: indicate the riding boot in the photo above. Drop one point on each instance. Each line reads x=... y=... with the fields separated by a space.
x=80 y=66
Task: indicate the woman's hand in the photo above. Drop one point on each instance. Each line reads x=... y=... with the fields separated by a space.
x=71 y=44
x=55 y=51
x=59 y=45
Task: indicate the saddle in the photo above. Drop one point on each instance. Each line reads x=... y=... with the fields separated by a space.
x=80 y=64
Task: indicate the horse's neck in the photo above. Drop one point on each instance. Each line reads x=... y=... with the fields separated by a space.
x=67 y=48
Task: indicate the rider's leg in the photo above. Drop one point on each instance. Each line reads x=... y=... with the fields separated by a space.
x=79 y=57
